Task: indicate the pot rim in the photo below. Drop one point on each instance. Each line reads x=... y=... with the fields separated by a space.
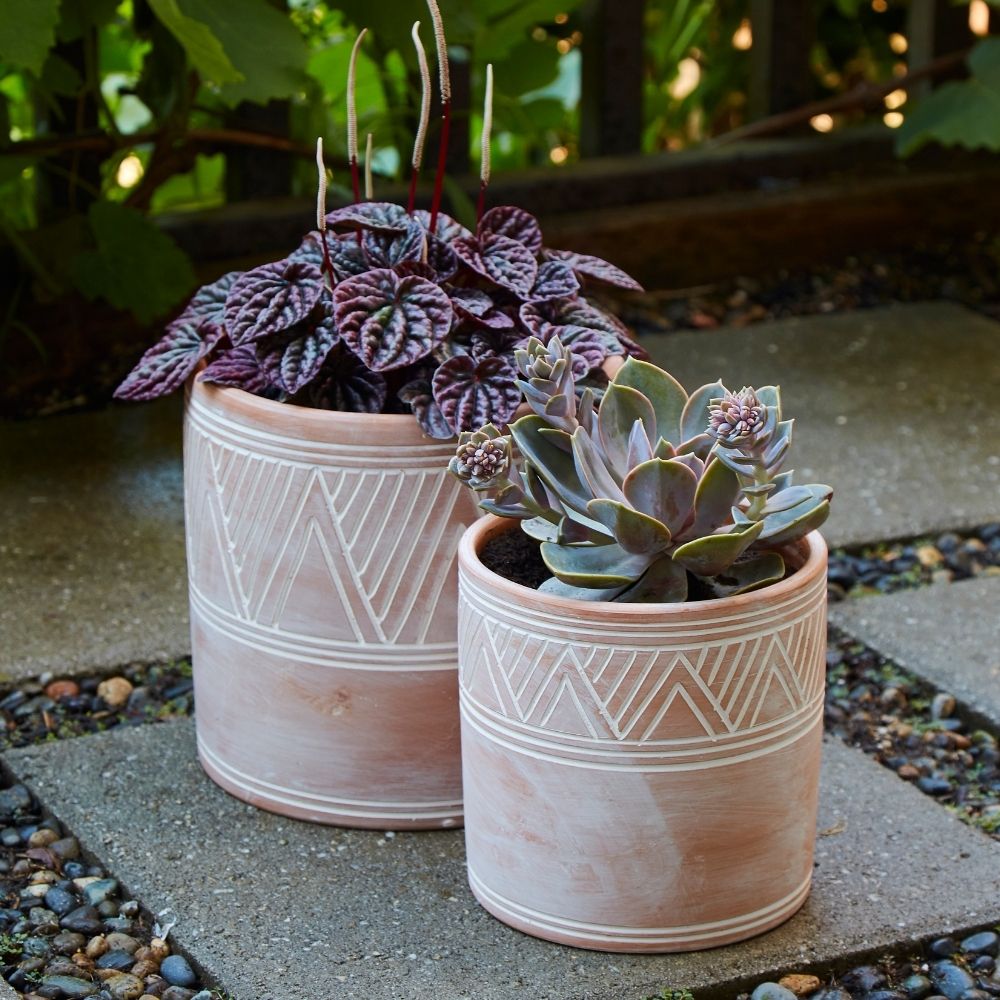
x=489 y=526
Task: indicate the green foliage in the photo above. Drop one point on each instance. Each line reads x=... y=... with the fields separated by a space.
x=134 y=266
x=961 y=112
x=206 y=52
x=27 y=32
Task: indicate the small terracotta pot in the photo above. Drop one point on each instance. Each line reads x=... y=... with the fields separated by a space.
x=640 y=777
x=321 y=561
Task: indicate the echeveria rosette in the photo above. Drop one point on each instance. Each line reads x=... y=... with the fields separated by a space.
x=630 y=498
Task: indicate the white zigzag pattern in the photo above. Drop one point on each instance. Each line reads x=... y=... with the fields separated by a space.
x=263 y=533
x=642 y=695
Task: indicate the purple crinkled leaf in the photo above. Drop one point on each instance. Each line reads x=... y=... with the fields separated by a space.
x=472 y=393
x=417 y=267
x=293 y=357
x=515 y=223
x=596 y=269
x=478 y=307
x=488 y=343
x=343 y=383
x=209 y=302
x=441 y=258
x=346 y=256
x=501 y=260
x=240 y=369
x=573 y=318
x=555 y=281
x=392 y=249
x=391 y=321
x=166 y=365
x=447 y=229
x=419 y=397
x=271 y=298
x=384 y=216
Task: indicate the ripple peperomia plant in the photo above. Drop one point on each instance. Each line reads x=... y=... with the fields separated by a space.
x=634 y=496
x=392 y=309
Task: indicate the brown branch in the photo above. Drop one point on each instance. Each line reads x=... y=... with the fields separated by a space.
x=104 y=143
x=864 y=95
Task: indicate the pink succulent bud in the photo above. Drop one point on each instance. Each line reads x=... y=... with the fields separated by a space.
x=737 y=418
x=482 y=457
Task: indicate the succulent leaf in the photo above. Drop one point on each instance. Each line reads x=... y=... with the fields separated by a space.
x=593 y=469
x=664 y=392
x=718 y=491
x=620 y=408
x=594 y=566
x=695 y=413
x=501 y=260
x=556 y=588
x=664 y=489
x=554 y=465
x=713 y=554
x=633 y=531
x=749 y=572
x=791 y=524
x=388 y=321
x=514 y=223
x=665 y=582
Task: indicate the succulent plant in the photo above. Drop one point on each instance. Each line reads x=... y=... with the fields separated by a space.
x=388 y=309
x=633 y=496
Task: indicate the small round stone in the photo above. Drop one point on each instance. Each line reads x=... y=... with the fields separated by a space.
x=984 y=943
x=114 y=691
x=799 y=984
x=60 y=690
x=942 y=706
x=917 y=987
x=951 y=980
x=60 y=901
x=42 y=838
x=176 y=971
x=120 y=961
x=122 y=942
x=98 y=891
x=71 y=987
x=125 y=987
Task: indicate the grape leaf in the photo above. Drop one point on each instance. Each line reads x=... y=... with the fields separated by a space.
x=203 y=48
x=27 y=32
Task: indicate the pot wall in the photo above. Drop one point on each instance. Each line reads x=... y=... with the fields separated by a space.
x=640 y=777
x=321 y=560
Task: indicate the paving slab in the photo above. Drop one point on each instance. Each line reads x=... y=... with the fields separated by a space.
x=888 y=408
x=273 y=908
x=92 y=540
x=948 y=633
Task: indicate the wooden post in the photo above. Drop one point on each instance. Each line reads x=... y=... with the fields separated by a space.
x=780 y=75
x=258 y=173
x=935 y=28
x=611 y=83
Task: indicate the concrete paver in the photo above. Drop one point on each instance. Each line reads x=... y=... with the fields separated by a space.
x=947 y=633
x=274 y=908
x=888 y=407
x=92 y=540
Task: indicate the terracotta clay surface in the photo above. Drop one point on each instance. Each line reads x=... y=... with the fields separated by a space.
x=321 y=558
x=642 y=777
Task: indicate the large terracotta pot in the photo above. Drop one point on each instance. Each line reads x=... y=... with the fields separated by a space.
x=640 y=777
x=321 y=559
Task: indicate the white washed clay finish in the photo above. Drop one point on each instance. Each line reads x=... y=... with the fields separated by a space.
x=640 y=778
x=321 y=559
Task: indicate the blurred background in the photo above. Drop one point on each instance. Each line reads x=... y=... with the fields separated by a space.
x=745 y=159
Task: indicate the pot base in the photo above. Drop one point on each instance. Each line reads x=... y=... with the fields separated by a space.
x=325 y=809
x=638 y=940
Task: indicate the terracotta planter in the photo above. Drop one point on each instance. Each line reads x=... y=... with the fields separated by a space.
x=640 y=778
x=321 y=559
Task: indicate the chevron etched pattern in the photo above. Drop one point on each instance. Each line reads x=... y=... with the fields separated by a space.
x=341 y=548
x=639 y=695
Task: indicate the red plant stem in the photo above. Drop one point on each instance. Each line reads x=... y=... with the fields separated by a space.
x=413 y=191
x=355 y=179
x=442 y=160
x=481 y=203
x=327 y=263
